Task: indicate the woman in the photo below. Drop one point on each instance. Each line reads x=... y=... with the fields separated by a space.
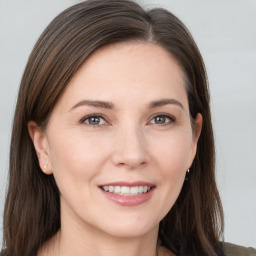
x=112 y=148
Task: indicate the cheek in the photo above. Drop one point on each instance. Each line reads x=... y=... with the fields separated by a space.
x=173 y=165
x=173 y=151
x=172 y=155
x=75 y=159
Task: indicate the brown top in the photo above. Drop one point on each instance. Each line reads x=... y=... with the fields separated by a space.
x=236 y=250
x=229 y=250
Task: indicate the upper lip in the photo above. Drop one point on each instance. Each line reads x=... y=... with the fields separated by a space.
x=128 y=184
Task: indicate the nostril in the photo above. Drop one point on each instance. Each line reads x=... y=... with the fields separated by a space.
x=133 y=165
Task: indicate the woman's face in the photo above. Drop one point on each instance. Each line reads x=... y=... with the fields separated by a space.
x=119 y=140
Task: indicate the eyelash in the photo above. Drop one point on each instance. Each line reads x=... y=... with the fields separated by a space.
x=171 y=119
x=86 y=118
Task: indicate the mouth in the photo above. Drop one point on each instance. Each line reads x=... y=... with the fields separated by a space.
x=127 y=190
x=128 y=194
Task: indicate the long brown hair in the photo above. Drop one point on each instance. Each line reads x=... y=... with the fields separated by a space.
x=194 y=225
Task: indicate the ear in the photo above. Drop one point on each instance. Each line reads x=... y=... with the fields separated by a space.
x=198 y=127
x=198 y=123
x=40 y=142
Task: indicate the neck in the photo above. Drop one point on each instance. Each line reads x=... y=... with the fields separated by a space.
x=106 y=246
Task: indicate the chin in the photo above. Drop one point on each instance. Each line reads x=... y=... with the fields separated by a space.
x=130 y=229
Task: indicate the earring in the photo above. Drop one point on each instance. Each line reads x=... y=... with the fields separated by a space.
x=187 y=174
x=45 y=168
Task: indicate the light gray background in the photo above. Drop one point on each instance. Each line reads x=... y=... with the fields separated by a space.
x=225 y=31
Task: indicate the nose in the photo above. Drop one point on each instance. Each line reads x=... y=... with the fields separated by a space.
x=130 y=149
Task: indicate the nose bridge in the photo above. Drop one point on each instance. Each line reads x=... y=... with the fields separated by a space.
x=130 y=148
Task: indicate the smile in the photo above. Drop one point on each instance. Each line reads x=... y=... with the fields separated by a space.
x=126 y=191
x=128 y=194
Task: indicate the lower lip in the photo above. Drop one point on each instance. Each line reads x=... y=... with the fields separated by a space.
x=129 y=200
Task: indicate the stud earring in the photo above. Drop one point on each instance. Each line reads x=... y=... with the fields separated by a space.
x=187 y=174
x=45 y=168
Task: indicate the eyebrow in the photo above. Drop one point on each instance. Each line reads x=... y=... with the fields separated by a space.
x=94 y=103
x=109 y=105
x=163 y=102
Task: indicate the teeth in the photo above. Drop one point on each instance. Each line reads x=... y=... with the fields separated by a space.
x=106 y=188
x=117 y=189
x=127 y=191
x=134 y=190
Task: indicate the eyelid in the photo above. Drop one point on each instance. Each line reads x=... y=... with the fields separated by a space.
x=99 y=115
x=171 y=117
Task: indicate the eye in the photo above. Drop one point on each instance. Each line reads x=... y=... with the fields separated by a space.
x=162 y=119
x=94 y=120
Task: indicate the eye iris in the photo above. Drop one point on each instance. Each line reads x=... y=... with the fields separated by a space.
x=94 y=120
x=160 y=120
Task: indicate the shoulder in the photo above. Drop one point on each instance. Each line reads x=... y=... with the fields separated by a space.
x=236 y=250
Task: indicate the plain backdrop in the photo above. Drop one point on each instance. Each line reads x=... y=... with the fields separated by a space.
x=225 y=31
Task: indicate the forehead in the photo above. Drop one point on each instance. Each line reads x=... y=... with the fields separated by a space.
x=127 y=71
x=127 y=57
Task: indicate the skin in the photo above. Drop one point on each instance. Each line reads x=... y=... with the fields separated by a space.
x=134 y=140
